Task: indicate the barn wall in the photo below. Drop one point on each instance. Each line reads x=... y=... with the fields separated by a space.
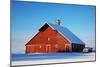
x=50 y=37
x=63 y=43
x=77 y=47
x=44 y=48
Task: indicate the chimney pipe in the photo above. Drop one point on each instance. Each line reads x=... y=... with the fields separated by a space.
x=57 y=22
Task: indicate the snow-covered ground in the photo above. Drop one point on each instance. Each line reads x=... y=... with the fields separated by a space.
x=35 y=59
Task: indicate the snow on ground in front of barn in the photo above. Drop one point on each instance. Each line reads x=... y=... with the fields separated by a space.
x=33 y=59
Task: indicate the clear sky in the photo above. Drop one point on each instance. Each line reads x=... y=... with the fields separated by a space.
x=28 y=17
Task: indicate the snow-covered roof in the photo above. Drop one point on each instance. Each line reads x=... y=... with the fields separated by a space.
x=66 y=34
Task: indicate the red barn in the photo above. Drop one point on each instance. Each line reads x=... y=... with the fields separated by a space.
x=53 y=38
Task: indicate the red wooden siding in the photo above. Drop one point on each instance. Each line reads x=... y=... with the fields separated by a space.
x=48 y=41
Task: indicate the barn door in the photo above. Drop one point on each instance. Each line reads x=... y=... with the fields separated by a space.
x=48 y=48
x=67 y=48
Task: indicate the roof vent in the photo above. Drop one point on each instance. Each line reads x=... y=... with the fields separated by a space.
x=57 y=22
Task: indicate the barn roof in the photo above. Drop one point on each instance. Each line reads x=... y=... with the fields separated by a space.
x=66 y=33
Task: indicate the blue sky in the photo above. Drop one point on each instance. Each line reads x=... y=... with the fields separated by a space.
x=28 y=17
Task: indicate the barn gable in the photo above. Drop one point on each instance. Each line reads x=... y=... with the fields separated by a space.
x=68 y=35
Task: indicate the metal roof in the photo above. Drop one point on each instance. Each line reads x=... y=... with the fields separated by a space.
x=66 y=34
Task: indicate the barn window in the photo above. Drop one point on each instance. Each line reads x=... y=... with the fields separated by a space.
x=48 y=39
x=40 y=46
x=56 y=45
